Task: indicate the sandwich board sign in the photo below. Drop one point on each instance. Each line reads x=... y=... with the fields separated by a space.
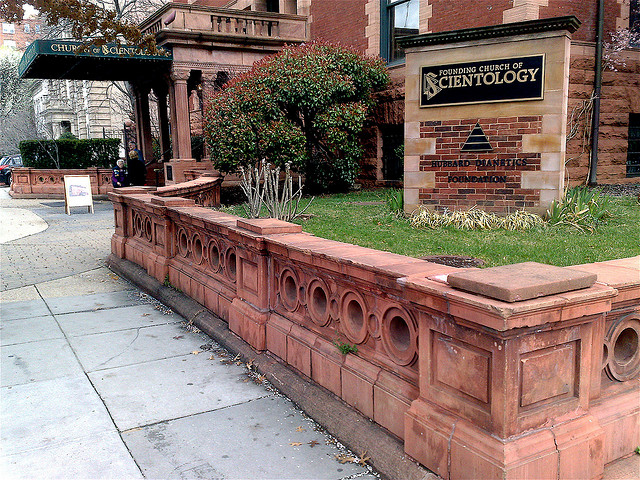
x=77 y=192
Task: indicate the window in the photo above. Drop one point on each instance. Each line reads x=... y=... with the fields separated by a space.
x=273 y=6
x=392 y=151
x=9 y=28
x=27 y=28
x=37 y=28
x=633 y=151
x=398 y=18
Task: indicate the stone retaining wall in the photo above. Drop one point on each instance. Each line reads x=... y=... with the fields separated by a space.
x=476 y=387
x=49 y=183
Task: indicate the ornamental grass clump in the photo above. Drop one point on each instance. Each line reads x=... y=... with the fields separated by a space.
x=475 y=219
x=581 y=208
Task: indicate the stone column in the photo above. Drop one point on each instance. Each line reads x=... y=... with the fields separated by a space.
x=143 y=120
x=180 y=115
x=165 y=145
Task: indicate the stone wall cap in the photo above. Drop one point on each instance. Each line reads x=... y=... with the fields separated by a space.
x=521 y=281
x=569 y=23
x=268 y=226
x=621 y=273
x=172 y=201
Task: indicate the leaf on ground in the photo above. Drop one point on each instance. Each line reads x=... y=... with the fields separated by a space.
x=146 y=314
x=178 y=337
x=300 y=429
x=196 y=352
x=342 y=458
x=212 y=357
x=363 y=459
x=313 y=443
x=295 y=444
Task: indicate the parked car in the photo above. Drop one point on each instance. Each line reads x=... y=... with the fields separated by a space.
x=6 y=164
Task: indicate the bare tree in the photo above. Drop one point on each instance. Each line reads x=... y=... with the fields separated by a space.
x=16 y=112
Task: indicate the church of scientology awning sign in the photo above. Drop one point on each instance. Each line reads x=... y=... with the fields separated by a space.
x=500 y=80
x=69 y=59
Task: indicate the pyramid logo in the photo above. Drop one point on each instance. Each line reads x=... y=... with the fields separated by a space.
x=477 y=141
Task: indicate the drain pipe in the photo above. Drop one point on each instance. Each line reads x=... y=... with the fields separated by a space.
x=597 y=88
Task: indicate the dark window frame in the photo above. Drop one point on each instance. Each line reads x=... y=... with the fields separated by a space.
x=385 y=30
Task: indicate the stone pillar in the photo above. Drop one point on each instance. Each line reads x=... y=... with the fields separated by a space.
x=505 y=388
x=163 y=119
x=143 y=121
x=180 y=124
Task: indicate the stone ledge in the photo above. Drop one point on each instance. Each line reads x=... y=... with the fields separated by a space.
x=268 y=226
x=521 y=281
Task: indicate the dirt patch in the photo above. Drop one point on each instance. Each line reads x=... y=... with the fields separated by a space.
x=459 y=261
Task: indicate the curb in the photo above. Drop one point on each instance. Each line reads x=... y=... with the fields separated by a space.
x=357 y=432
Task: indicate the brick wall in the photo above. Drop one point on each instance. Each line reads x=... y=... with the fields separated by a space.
x=340 y=22
x=453 y=168
x=619 y=98
x=586 y=13
x=453 y=15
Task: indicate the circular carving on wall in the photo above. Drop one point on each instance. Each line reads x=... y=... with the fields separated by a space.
x=196 y=247
x=52 y=179
x=230 y=263
x=318 y=302
x=353 y=315
x=137 y=224
x=183 y=243
x=289 y=290
x=214 y=255
x=148 y=229
x=41 y=179
x=399 y=335
x=623 y=344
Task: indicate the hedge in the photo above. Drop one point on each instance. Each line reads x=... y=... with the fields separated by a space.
x=96 y=152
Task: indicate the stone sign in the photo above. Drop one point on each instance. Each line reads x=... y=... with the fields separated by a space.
x=485 y=116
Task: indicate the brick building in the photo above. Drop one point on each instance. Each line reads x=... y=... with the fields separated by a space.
x=19 y=35
x=374 y=26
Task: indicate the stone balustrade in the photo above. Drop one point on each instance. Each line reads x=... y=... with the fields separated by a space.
x=49 y=183
x=224 y=22
x=540 y=386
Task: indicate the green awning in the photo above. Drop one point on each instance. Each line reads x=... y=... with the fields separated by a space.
x=61 y=59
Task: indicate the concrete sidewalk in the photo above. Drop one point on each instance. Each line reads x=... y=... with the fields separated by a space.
x=108 y=383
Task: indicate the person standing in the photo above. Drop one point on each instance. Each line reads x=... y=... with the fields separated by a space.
x=137 y=169
x=119 y=177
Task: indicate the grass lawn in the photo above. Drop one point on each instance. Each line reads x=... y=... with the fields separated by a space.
x=363 y=218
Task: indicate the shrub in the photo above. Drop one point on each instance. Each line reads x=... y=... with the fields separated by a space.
x=395 y=201
x=305 y=105
x=581 y=208
x=98 y=152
